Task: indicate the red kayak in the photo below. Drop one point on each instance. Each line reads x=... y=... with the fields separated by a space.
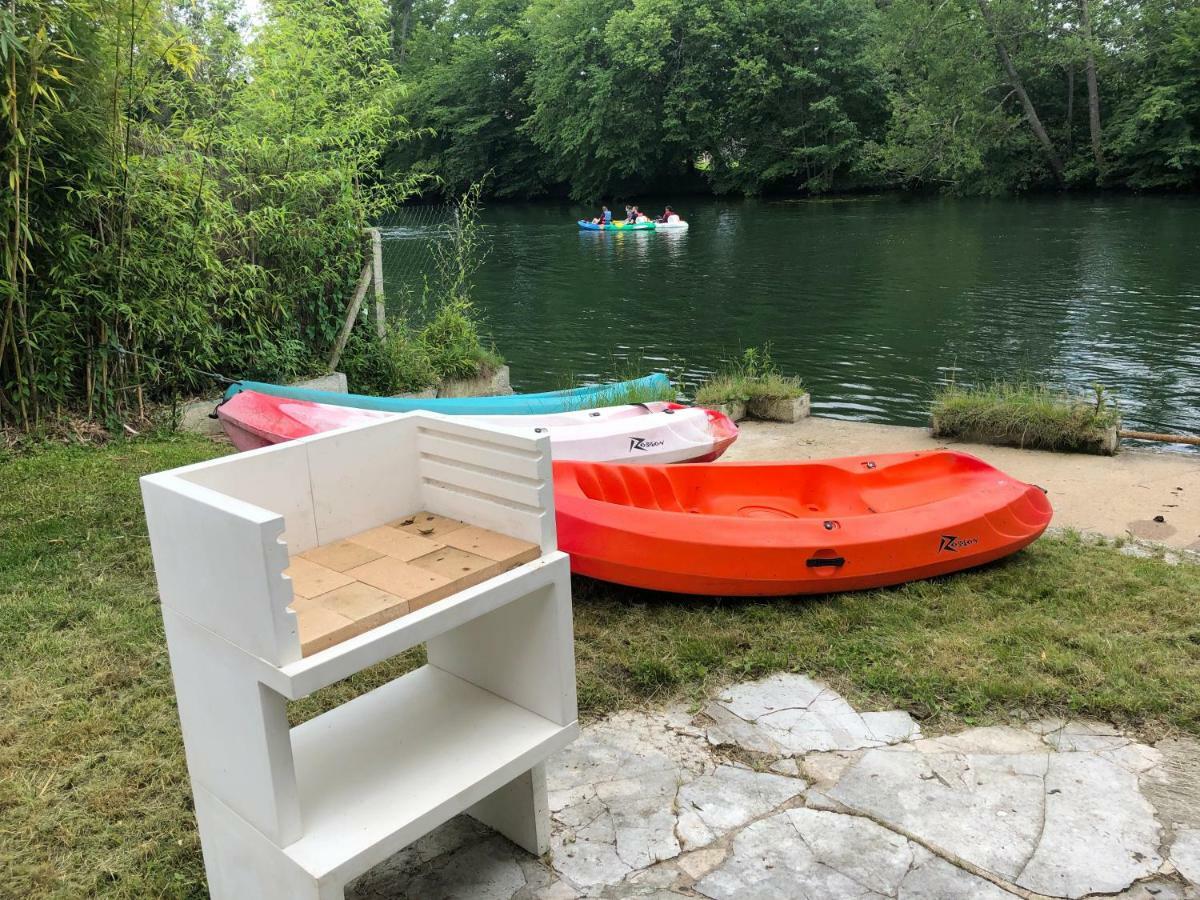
x=792 y=527
x=654 y=432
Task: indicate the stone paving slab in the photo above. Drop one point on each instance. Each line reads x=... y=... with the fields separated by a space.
x=780 y=789
x=826 y=854
x=792 y=714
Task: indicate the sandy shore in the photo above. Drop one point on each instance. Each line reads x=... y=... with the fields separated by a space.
x=1115 y=496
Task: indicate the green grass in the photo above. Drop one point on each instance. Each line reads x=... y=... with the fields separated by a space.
x=94 y=797
x=752 y=376
x=1065 y=626
x=1025 y=414
x=727 y=388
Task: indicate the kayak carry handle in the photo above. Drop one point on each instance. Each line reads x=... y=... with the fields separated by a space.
x=822 y=562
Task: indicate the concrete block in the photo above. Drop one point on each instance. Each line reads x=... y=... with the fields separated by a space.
x=1102 y=442
x=781 y=409
x=1109 y=442
x=334 y=381
x=492 y=384
x=427 y=394
x=735 y=409
x=195 y=417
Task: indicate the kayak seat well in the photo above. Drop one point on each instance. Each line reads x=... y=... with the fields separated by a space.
x=629 y=486
x=922 y=481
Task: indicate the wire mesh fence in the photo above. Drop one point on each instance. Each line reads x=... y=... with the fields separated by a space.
x=409 y=238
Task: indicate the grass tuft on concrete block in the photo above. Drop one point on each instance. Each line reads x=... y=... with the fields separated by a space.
x=752 y=376
x=1025 y=414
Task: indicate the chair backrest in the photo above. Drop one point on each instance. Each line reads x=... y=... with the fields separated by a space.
x=221 y=531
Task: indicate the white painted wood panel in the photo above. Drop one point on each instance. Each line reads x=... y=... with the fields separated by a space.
x=219 y=561
x=294 y=814
x=380 y=771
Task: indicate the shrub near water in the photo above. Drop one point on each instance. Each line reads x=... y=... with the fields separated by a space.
x=192 y=204
x=753 y=376
x=452 y=342
x=1028 y=415
x=448 y=345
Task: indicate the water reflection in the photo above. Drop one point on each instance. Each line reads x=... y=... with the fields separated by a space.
x=873 y=302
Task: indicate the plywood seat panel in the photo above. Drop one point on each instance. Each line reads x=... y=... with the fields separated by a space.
x=348 y=587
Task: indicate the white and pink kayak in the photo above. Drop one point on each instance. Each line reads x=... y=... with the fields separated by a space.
x=656 y=432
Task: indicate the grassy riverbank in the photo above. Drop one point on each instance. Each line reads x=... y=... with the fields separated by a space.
x=94 y=796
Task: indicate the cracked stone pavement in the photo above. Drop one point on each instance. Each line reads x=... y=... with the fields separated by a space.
x=781 y=789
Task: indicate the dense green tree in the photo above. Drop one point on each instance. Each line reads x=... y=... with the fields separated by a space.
x=467 y=65
x=970 y=96
x=1154 y=133
x=968 y=110
x=991 y=96
x=596 y=91
x=758 y=95
x=801 y=94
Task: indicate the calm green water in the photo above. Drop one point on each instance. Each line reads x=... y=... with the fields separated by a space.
x=873 y=302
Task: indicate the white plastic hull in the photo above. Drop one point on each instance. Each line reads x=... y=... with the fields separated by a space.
x=657 y=432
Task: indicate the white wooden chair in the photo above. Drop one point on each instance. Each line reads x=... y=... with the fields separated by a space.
x=298 y=812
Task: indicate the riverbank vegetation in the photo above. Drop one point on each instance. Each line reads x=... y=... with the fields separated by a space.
x=186 y=196
x=1026 y=415
x=968 y=96
x=96 y=801
x=752 y=376
x=185 y=193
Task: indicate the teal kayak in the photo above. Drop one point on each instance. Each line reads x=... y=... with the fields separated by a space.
x=650 y=387
x=585 y=225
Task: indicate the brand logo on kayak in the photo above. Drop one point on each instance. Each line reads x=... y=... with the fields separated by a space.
x=952 y=543
x=637 y=443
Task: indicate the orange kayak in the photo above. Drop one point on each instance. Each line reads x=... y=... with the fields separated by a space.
x=792 y=527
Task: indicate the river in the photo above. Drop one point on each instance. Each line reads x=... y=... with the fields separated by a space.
x=873 y=301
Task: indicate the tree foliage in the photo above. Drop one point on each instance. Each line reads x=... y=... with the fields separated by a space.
x=186 y=195
x=596 y=98
x=182 y=200
x=592 y=96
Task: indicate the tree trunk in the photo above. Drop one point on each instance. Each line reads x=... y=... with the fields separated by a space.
x=1085 y=22
x=401 y=16
x=1018 y=85
x=1070 y=108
